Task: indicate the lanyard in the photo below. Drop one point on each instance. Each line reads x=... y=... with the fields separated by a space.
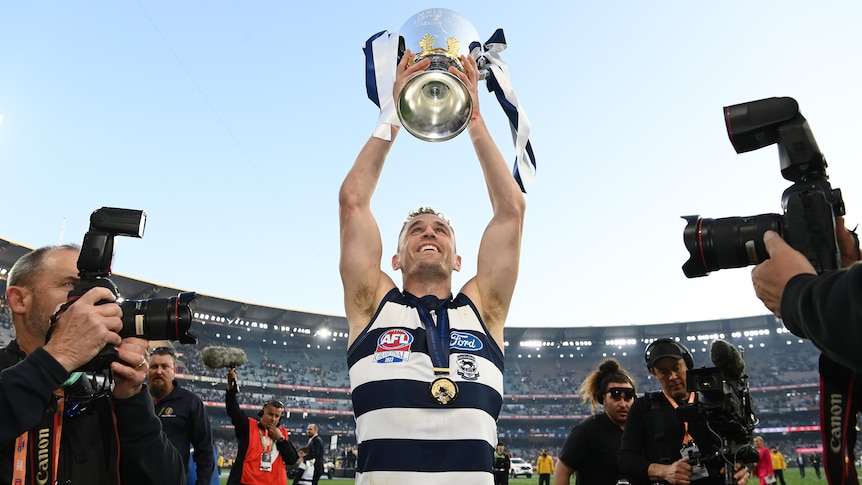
x=687 y=438
x=437 y=334
x=265 y=441
x=46 y=439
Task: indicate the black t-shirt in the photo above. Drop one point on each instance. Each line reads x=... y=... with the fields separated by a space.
x=656 y=436
x=591 y=450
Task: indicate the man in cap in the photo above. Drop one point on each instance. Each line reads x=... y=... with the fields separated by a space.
x=657 y=445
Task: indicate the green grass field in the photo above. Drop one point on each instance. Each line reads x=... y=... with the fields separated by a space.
x=791 y=476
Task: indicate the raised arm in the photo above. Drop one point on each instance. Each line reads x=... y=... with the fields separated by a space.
x=500 y=249
x=361 y=246
x=364 y=282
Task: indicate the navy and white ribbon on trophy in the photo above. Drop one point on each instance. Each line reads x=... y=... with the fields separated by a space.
x=381 y=60
x=488 y=58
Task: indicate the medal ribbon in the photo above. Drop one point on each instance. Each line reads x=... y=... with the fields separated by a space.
x=437 y=334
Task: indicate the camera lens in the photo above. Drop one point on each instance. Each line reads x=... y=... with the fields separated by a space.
x=707 y=382
x=159 y=318
x=730 y=242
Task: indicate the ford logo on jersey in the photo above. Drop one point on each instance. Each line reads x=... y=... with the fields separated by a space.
x=393 y=346
x=464 y=341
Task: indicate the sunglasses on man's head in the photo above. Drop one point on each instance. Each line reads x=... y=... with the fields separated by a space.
x=163 y=351
x=617 y=392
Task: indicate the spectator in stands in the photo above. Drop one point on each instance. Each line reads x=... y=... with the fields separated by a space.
x=824 y=308
x=778 y=465
x=592 y=447
x=386 y=325
x=657 y=445
x=315 y=451
x=265 y=449
x=184 y=418
x=763 y=467
x=544 y=468
x=105 y=435
x=502 y=464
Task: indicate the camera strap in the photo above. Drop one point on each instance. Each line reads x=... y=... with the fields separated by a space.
x=39 y=449
x=840 y=393
x=687 y=438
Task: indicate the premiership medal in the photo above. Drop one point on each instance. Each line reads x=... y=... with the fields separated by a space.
x=444 y=390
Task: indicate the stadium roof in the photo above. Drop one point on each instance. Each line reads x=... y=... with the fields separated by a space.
x=229 y=312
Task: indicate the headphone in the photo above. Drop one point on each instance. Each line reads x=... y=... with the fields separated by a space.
x=686 y=355
x=276 y=403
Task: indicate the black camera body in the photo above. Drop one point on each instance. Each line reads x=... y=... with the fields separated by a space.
x=810 y=205
x=724 y=401
x=152 y=319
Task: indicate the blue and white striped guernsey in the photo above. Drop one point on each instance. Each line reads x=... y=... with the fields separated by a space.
x=405 y=436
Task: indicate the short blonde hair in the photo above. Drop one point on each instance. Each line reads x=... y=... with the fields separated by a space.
x=421 y=211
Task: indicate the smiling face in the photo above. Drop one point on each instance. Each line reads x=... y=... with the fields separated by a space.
x=426 y=246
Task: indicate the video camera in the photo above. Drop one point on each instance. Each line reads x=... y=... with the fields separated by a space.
x=724 y=401
x=810 y=205
x=153 y=319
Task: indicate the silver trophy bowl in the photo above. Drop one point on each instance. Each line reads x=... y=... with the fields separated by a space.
x=435 y=105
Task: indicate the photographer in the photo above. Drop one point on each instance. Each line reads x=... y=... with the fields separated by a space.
x=657 y=446
x=41 y=396
x=826 y=309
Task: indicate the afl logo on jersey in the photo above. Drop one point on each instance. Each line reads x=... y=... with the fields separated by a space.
x=393 y=346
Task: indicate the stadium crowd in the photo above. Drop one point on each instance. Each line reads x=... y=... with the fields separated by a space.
x=541 y=403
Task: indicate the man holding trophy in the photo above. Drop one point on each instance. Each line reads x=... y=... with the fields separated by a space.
x=426 y=366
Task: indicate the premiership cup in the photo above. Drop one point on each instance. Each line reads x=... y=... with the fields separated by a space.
x=435 y=105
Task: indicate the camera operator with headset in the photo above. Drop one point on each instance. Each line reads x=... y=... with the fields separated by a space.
x=826 y=309
x=56 y=428
x=659 y=447
x=264 y=449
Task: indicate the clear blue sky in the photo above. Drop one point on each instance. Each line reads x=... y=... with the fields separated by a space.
x=233 y=123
